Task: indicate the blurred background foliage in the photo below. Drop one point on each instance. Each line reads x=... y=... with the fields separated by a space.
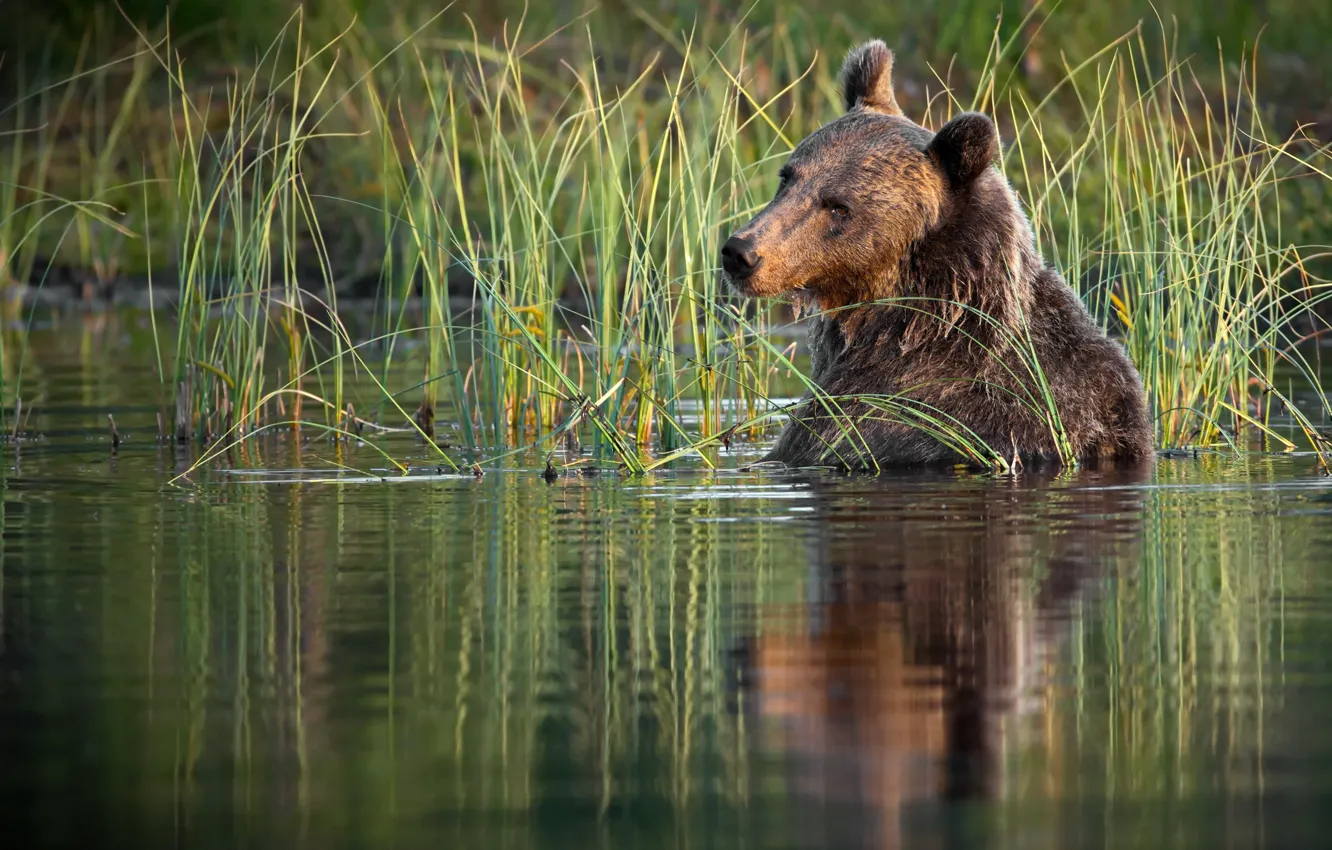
x=948 y=42
x=1294 y=34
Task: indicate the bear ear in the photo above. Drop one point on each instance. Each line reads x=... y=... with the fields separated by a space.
x=965 y=147
x=867 y=79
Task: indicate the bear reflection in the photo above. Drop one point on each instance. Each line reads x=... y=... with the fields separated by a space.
x=932 y=607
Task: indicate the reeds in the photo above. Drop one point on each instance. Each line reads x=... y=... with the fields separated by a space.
x=539 y=235
x=1170 y=206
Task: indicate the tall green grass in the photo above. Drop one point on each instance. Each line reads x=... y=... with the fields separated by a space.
x=542 y=230
x=1172 y=202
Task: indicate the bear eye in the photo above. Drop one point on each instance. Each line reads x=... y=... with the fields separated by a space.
x=783 y=178
x=837 y=210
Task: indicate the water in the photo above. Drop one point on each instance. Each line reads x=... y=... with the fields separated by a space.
x=693 y=659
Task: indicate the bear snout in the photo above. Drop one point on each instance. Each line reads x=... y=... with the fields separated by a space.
x=739 y=259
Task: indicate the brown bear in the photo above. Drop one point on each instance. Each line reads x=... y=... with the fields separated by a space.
x=931 y=299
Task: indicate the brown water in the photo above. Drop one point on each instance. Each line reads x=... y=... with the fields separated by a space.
x=267 y=655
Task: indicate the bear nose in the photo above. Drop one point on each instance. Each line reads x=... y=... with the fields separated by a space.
x=739 y=258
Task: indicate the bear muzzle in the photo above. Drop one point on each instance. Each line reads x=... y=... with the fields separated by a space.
x=739 y=260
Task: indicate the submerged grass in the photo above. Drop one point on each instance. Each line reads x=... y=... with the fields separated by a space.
x=537 y=234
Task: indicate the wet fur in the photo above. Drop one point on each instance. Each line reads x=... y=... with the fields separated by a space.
x=931 y=220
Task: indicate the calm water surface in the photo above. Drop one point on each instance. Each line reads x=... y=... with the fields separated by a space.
x=265 y=656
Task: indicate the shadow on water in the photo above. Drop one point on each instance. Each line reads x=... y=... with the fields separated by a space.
x=691 y=659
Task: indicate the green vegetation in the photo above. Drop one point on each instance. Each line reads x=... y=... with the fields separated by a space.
x=535 y=218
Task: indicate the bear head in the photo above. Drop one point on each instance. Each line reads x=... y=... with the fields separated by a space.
x=857 y=194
